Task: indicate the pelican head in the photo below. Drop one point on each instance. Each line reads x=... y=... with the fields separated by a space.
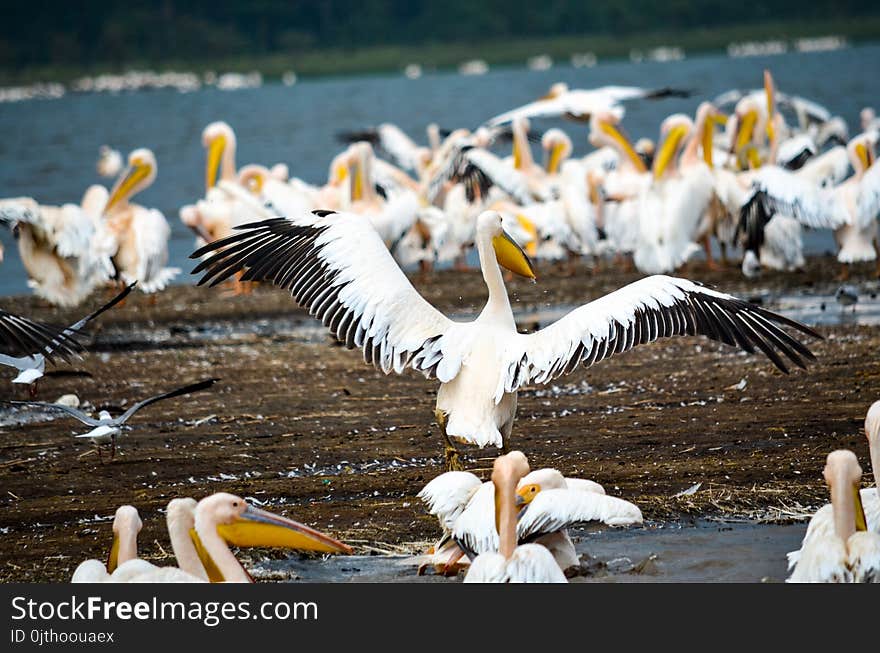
x=242 y=524
x=534 y=482
x=507 y=251
x=843 y=475
x=253 y=177
x=557 y=148
x=708 y=116
x=861 y=153
x=748 y=114
x=674 y=131
x=559 y=88
x=219 y=141
x=140 y=173
x=126 y=525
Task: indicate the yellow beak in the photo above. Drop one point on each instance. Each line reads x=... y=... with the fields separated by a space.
x=861 y=522
x=669 y=149
x=215 y=155
x=357 y=176
x=131 y=178
x=624 y=143
x=113 y=558
x=529 y=226
x=511 y=256
x=261 y=528
x=863 y=155
x=555 y=156
x=707 y=140
x=745 y=130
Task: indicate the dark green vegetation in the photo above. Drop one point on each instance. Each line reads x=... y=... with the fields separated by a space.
x=343 y=36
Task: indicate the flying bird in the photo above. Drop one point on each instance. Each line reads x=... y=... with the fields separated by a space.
x=31 y=363
x=106 y=428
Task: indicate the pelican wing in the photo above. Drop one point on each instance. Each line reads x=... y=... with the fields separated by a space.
x=474 y=530
x=448 y=494
x=185 y=390
x=479 y=170
x=781 y=191
x=336 y=266
x=556 y=509
x=20 y=336
x=868 y=199
x=639 y=313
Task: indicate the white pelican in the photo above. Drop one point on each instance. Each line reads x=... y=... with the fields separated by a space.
x=822 y=523
x=220 y=520
x=60 y=247
x=581 y=104
x=141 y=234
x=526 y=563
x=391 y=217
x=850 y=553
x=462 y=505
x=109 y=162
x=622 y=186
x=673 y=206
x=550 y=504
x=219 y=142
x=32 y=364
x=859 y=198
x=105 y=429
x=336 y=265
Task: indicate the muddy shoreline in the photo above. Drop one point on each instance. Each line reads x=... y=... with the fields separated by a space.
x=307 y=428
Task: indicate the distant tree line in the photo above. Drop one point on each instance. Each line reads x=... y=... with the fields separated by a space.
x=85 y=32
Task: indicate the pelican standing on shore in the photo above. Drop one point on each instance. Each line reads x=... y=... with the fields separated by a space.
x=141 y=234
x=337 y=266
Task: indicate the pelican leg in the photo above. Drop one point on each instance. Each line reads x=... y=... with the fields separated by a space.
x=723 y=246
x=32 y=390
x=450 y=453
x=844 y=272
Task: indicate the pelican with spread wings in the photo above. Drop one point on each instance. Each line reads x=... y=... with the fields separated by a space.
x=336 y=266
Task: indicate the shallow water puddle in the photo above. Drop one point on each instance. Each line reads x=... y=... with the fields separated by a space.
x=659 y=552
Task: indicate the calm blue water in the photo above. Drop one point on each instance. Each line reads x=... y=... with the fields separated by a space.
x=48 y=148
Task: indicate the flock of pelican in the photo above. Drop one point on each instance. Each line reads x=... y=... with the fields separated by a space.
x=339 y=250
x=748 y=171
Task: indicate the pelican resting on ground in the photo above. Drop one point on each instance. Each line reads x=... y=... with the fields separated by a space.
x=526 y=563
x=219 y=520
x=32 y=365
x=337 y=266
x=106 y=428
x=849 y=553
x=549 y=502
x=822 y=523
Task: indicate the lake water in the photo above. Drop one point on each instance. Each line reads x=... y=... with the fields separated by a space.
x=48 y=148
